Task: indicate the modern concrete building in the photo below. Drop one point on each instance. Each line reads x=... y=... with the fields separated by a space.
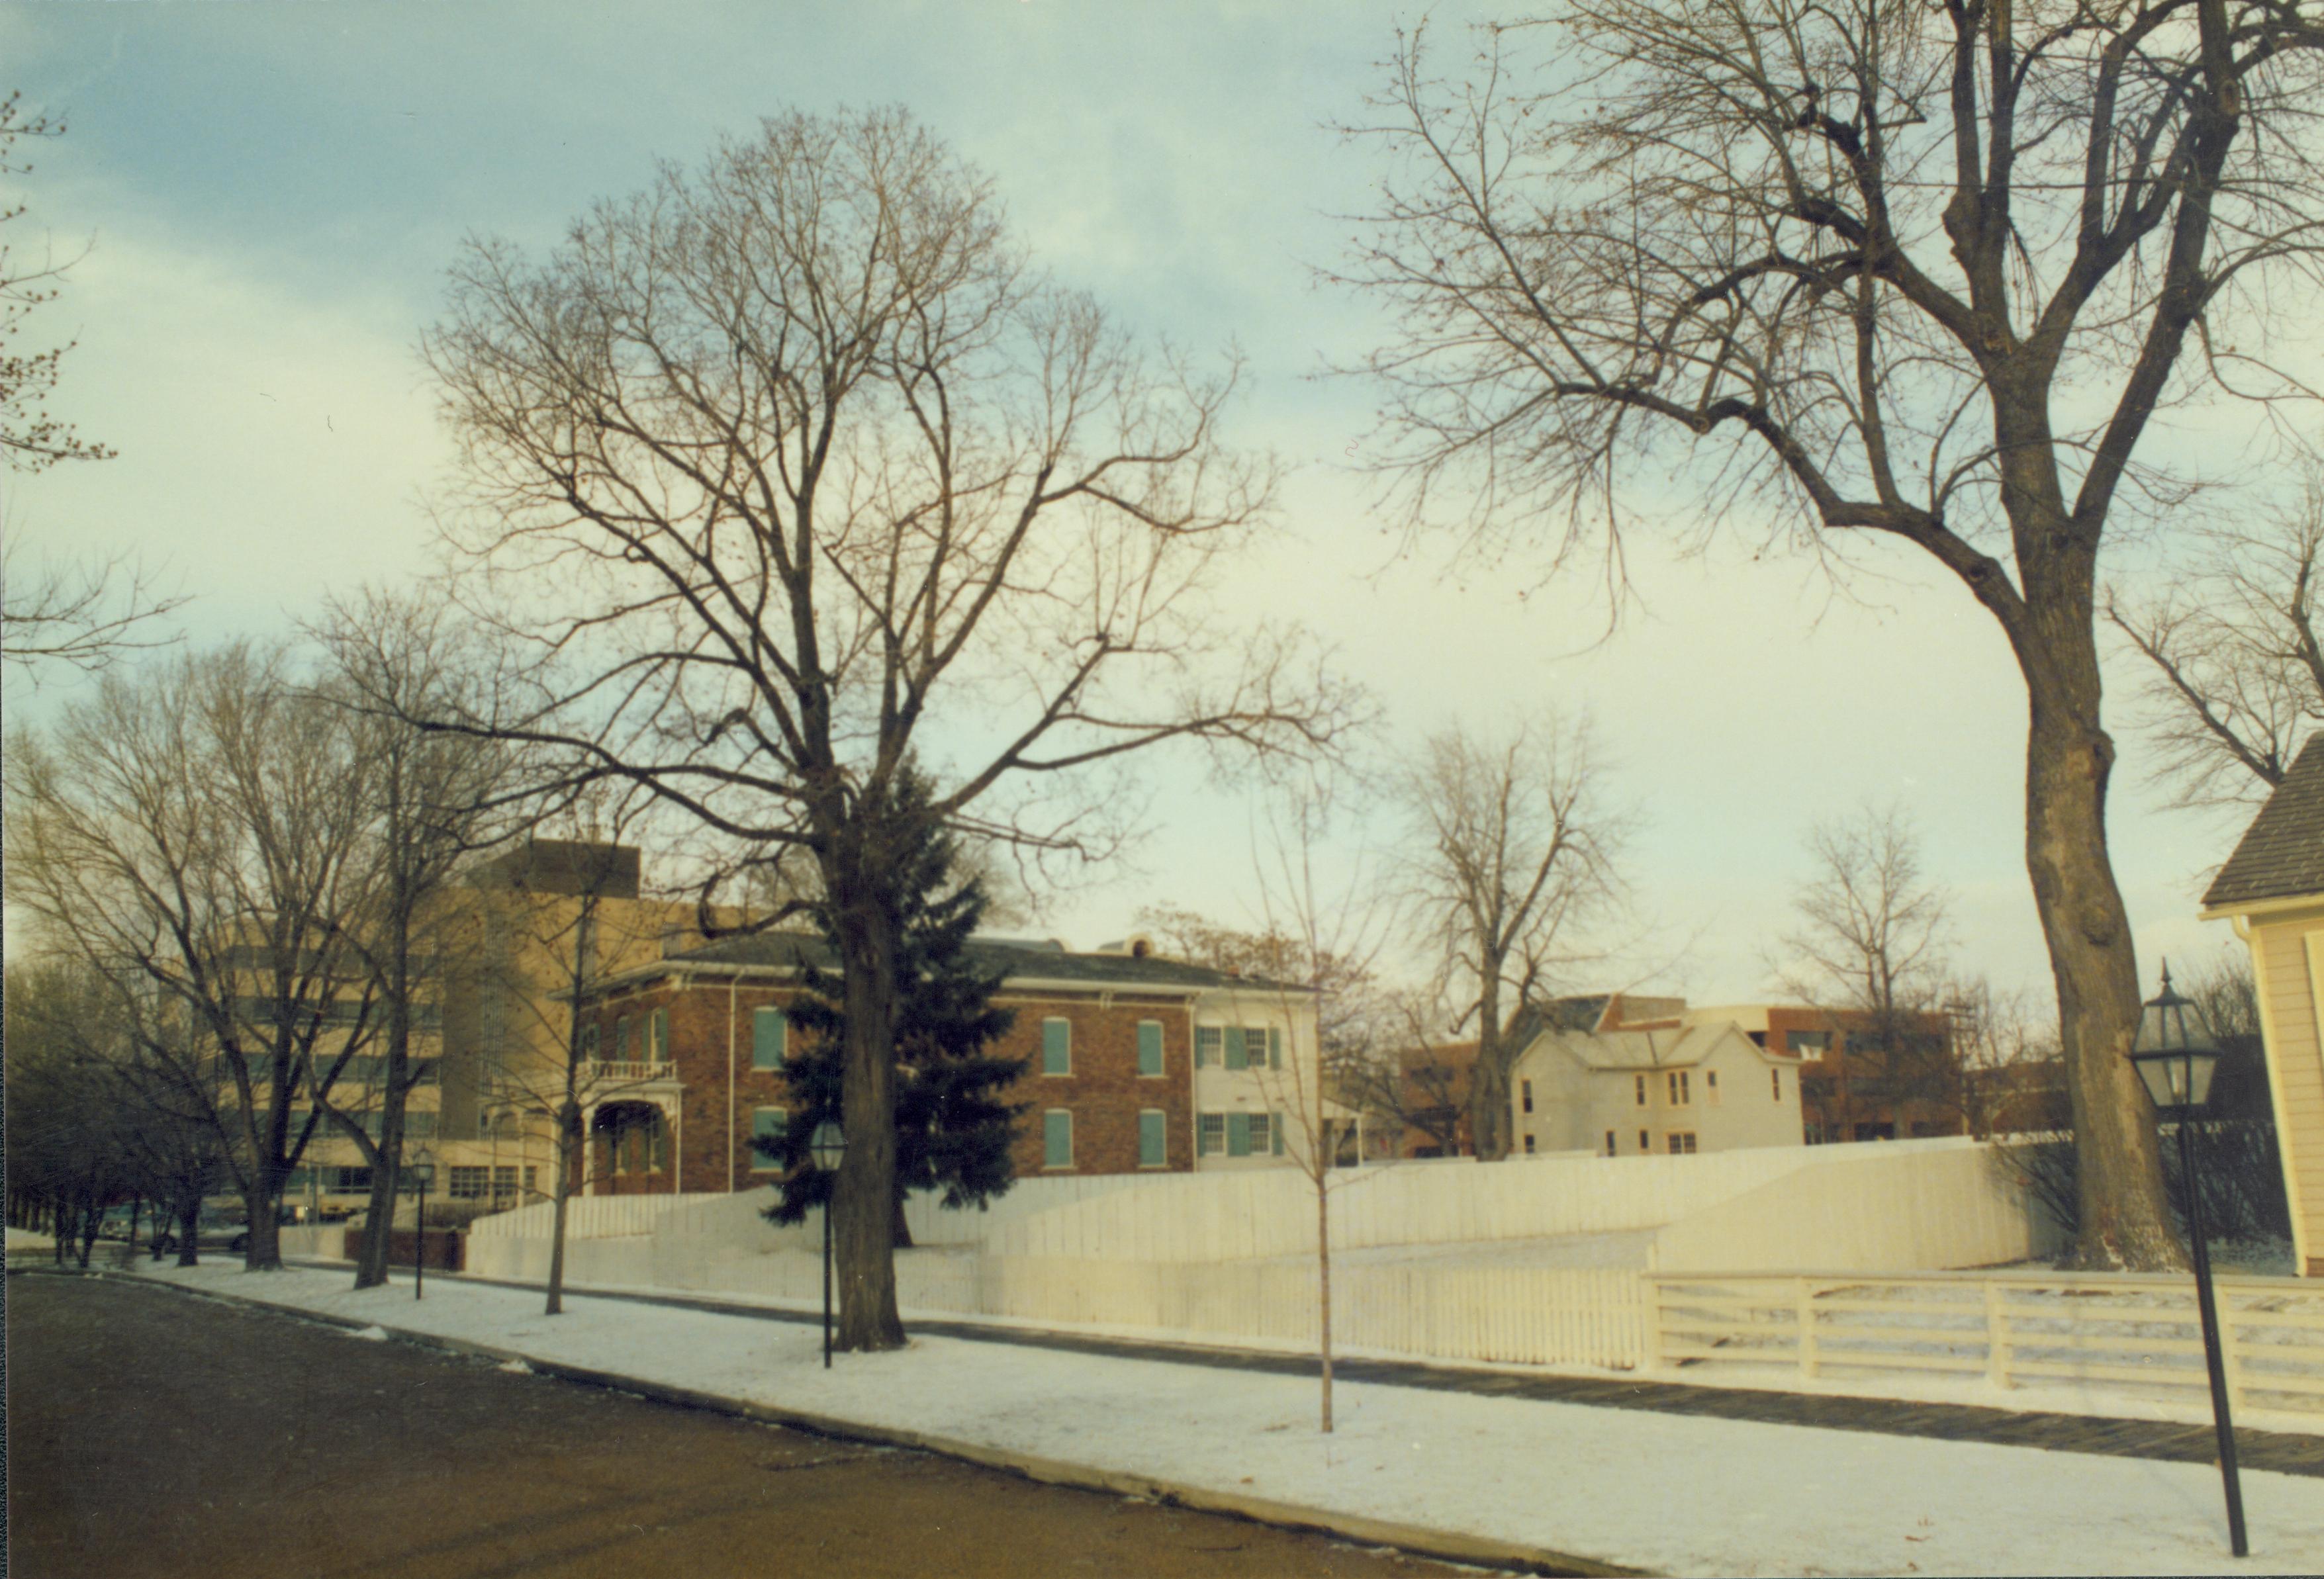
x=2272 y=891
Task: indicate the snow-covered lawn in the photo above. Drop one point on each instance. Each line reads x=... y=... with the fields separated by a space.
x=27 y=1239
x=1664 y=1492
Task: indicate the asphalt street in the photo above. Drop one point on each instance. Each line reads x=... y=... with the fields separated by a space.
x=153 y=1434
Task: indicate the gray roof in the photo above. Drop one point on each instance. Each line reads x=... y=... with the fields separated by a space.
x=2282 y=853
x=1642 y=1050
x=1018 y=959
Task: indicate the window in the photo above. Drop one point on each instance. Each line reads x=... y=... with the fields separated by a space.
x=419 y=1126
x=1210 y=1134
x=529 y=1173
x=1153 y=1134
x=504 y=1187
x=589 y=1041
x=1525 y=1094
x=1149 y=1050
x=1611 y=1149
x=1056 y=1050
x=1645 y=1144
x=1260 y=1130
x=423 y=1071
x=620 y=1041
x=658 y=1036
x=1681 y=1142
x=770 y=1039
x=470 y=1183
x=1056 y=1135
x=1809 y=1044
x=1209 y=1046
x=1711 y=1085
x=1677 y=1080
x=350 y=1181
x=1529 y=1145
x=768 y=1125
x=1776 y=1081
x=1641 y=1087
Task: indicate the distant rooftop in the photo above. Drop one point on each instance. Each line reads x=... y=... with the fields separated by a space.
x=1019 y=958
x=564 y=866
x=2281 y=854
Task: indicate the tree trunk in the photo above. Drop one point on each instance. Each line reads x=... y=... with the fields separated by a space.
x=2125 y=1221
x=903 y=1230
x=1324 y=1282
x=1489 y=1077
x=568 y=1126
x=864 y=1192
x=189 y=1222
x=264 y=1250
x=379 y=1213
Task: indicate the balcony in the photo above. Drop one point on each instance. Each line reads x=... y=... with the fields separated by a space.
x=600 y=1076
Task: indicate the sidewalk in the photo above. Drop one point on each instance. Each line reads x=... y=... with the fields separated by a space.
x=2287 y=1452
x=1614 y=1481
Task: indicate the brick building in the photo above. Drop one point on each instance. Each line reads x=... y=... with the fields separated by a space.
x=1138 y=1063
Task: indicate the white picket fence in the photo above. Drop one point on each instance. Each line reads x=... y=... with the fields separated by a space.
x=2014 y=1330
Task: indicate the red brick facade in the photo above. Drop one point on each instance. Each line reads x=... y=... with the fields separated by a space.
x=710 y=1028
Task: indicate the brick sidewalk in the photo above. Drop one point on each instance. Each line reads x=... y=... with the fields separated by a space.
x=2287 y=1453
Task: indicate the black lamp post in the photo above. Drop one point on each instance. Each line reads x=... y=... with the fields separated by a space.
x=423 y=1173
x=2176 y=1058
x=827 y=1147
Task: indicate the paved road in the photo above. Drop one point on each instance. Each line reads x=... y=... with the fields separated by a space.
x=151 y=1434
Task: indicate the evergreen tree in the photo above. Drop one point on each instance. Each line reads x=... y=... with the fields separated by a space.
x=954 y=1131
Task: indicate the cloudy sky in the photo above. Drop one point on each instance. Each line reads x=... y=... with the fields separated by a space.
x=269 y=195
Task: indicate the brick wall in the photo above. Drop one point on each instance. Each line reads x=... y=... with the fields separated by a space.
x=1105 y=1092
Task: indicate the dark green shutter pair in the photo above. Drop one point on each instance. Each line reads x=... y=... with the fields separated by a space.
x=1056 y=1049
x=1149 y=1047
x=1152 y=1151
x=1057 y=1136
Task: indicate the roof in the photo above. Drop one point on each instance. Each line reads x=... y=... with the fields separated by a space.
x=2282 y=853
x=1640 y=1050
x=1016 y=960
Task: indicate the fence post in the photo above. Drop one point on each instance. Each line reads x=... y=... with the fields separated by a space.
x=1650 y=1296
x=1806 y=1322
x=2231 y=1352
x=1997 y=1353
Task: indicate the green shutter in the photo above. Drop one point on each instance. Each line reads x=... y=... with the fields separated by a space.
x=1275 y=1053
x=1056 y=1047
x=1149 y=1047
x=767 y=1123
x=1238 y=1049
x=1275 y=1134
x=1151 y=1152
x=1238 y=1134
x=658 y=1038
x=769 y=1038
x=1057 y=1139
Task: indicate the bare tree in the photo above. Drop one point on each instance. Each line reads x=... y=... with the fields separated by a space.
x=1870 y=949
x=1512 y=855
x=82 y=614
x=1934 y=269
x=803 y=461
x=2235 y=678
x=200 y=836
x=434 y=797
x=1326 y=947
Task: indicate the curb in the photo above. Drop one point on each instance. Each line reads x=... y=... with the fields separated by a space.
x=1445 y=1546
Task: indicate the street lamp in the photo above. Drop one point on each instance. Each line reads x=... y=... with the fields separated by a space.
x=2176 y=1058
x=827 y=1147
x=423 y=1173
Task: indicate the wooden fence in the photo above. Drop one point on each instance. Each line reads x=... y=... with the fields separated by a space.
x=2012 y=1330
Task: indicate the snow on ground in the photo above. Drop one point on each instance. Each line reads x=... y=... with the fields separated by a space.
x=25 y=1239
x=1667 y=1492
